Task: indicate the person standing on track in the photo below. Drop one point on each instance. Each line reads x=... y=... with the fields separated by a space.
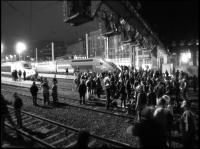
x=5 y=115
x=20 y=75
x=188 y=125
x=17 y=106
x=107 y=86
x=24 y=74
x=82 y=90
x=45 y=88
x=54 y=92
x=140 y=102
x=34 y=90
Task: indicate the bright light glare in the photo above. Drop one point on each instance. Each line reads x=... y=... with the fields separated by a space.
x=185 y=57
x=20 y=47
x=2 y=47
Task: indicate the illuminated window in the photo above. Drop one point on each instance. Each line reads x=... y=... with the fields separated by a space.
x=140 y=52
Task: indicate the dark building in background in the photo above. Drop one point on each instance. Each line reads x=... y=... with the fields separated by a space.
x=185 y=55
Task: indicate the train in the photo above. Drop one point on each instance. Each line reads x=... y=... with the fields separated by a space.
x=82 y=65
x=8 y=67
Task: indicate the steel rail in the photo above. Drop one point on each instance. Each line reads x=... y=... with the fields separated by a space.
x=76 y=130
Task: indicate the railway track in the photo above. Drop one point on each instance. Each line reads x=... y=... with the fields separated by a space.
x=90 y=105
x=53 y=134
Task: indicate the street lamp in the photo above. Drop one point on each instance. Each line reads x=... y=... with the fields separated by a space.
x=20 y=47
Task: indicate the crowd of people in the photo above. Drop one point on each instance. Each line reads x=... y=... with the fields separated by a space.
x=153 y=96
x=161 y=94
x=17 y=75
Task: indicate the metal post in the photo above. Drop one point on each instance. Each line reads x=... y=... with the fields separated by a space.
x=107 y=47
x=52 y=46
x=86 y=38
x=36 y=55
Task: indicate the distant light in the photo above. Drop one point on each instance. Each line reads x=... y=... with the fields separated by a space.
x=11 y=56
x=185 y=57
x=20 y=47
x=122 y=21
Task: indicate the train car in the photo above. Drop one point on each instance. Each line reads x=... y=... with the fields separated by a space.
x=8 y=67
x=53 y=67
x=94 y=64
x=84 y=65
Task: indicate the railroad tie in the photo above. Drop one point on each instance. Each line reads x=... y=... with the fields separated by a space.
x=64 y=139
x=54 y=135
x=92 y=144
x=28 y=123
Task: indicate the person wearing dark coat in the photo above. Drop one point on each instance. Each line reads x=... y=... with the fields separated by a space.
x=24 y=74
x=98 y=87
x=17 y=106
x=141 y=102
x=45 y=88
x=123 y=94
x=128 y=89
x=34 y=91
x=20 y=74
x=54 y=93
x=5 y=115
x=82 y=90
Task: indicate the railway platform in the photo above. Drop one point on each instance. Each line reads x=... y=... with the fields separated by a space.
x=70 y=77
x=21 y=83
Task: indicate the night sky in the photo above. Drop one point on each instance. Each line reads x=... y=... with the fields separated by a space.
x=170 y=20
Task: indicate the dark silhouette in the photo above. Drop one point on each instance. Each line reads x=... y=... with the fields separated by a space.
x=34 y=91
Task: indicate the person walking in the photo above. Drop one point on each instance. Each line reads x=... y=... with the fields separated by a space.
x=24 y=74
x=34 y=91
x=17 y=106
x=82 y=90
